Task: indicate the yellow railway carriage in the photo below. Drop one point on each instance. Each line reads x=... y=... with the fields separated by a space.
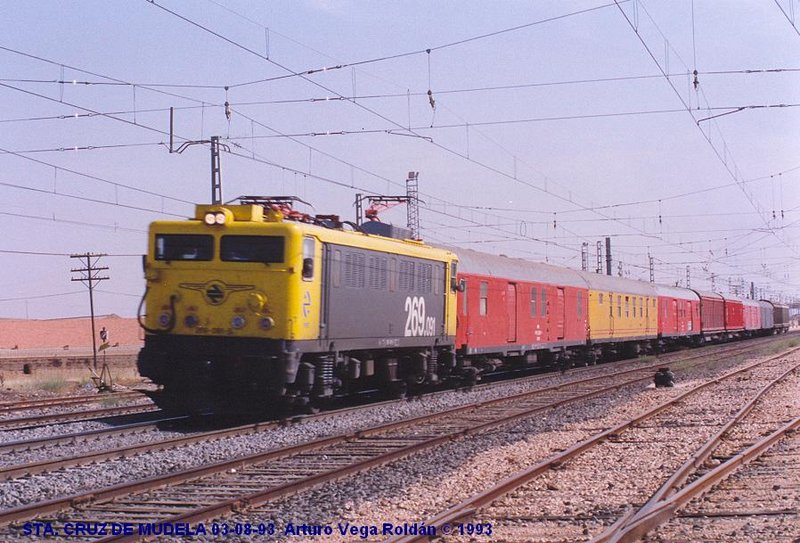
x=246 y=310
x=621 y=310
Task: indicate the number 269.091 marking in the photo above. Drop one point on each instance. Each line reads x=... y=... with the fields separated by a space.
x=417 y=324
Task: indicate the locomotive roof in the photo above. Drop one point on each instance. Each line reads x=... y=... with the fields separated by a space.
x=516 y=268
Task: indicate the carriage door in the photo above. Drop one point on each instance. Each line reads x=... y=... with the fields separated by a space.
x=511 y=311
x=560 y=313
x=675 y=320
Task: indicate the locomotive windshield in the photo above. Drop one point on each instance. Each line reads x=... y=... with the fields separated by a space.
x=184 y=247
x=266 y=249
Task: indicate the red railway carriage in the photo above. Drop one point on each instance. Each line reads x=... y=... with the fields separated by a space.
x=752 y=315
x=678 y=312
x=512 y=307
x=712 y=312
x=734 y=314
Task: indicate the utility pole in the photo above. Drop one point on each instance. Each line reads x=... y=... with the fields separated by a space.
x=412 y=192
x=608 y=256
x=89 y=276
x=688 y=279
x=652 y=269
x=599 y=268
x=216 y=172
x=585 y=256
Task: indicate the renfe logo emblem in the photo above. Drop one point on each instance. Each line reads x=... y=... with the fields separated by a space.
x=215 y=292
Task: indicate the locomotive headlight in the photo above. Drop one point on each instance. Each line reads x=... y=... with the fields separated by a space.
x=238 y=322
x=190 y=321
x=266 y=323
x=164 y=319
x=215 y=218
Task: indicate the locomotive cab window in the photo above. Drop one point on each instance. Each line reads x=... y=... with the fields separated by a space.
x=308 y=258
x=184 y=247
x=533 y=302
x=266 y=249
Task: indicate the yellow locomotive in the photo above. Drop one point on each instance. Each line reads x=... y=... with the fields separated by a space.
x=252 y=306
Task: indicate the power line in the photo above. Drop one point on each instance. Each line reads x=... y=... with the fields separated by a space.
x=426 y=50
x=688 y=109
x=791 y=22
x=40 y=296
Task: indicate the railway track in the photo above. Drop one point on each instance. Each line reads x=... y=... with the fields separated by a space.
x=26 y=405
x=757 y=502
x=33 y=421
x=209 y=491
x=143 y=428
x=609 y=466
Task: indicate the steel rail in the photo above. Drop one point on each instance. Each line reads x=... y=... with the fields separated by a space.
x=13 y=471
x=665 y=509
x=468 y=507
x=613 y=533
x=74 y=416
x=254 y=499
x=80 y=437
x=50 y=465
x=30 y=510
x=9 y=407
x=27 y=511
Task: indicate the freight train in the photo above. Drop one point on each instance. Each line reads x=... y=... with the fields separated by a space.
x=255 y=307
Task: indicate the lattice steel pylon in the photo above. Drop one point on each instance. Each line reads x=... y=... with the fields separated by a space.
x=412 y=191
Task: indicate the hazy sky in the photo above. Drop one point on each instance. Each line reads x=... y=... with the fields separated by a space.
x=554 y=124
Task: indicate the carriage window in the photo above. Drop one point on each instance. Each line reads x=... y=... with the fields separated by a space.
x=600 y=299
x=580 y=304
x=627 y=307
x=640 y=306
x=533 y=302
x=184 y=247
x=619 y=306
x=266 y=249
x=543 y=310
x=484 y=298
x=464 y=298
